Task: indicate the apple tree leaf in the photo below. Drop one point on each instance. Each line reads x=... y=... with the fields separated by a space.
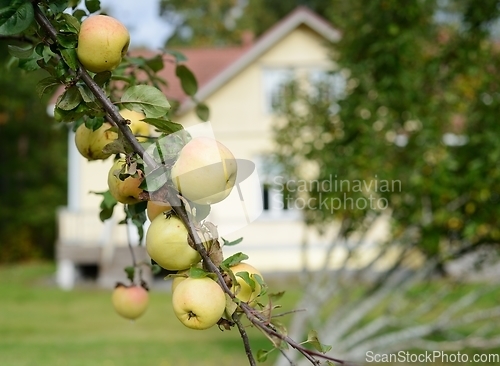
x=202 y=111
x=107 y=205
x=164 y=125
x=93 y=5
x=313 y=340
x=69 y=56
x=196 y=272
x=233 y=260
x=102 y=78
x=228 y=243
x=70 y=99
x=155 y=63
x=70 y=24
x=231 y=307
x=246 y=277
x=20 y=52
x=130 y=271
x=146 y=99
x=16 y=18
x=262 y=354
x=179 y=57
x=46 y=85
x=155 y=269
x=187 y=79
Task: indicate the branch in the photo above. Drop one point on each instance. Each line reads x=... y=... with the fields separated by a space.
x=114 y=116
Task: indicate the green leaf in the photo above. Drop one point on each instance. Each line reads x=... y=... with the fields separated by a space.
x=188 y=81
x=246 y=277
x=234 y=242
x=93 y=5
x=87 y=95
x=262 y=354
x=275 y=296
x=179 y=57
x=196 y=272
x=70 y=99
x=107 y=205
x=46 y=85
x=202 y=111
x=102 y=78
x=67 y=40
x=155 y=63
x=130 y=271
x=234 y=260
x=70 y=57
x=16 y=18
x=71 y=24
x=146 y=99
x=20 y=52
x=164 y=125
x=94 y=123
x=313 y=340
x=155 y=269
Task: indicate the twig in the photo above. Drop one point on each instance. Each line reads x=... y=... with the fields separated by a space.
x=244 y=336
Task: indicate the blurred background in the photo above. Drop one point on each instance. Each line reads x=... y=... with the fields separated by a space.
x=374 y=128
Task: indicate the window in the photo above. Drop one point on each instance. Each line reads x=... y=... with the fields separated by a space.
x=274 y=81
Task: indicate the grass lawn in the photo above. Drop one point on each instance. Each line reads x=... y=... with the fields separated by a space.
x=42 y=325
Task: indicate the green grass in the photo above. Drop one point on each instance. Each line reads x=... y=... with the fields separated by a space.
x=42 y=325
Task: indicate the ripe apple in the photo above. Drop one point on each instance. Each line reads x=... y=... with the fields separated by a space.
x=130 y=301
x=90 y=143
x=137 y=126
x=154 y=208
x=198 y=303
x=102 y=42
x=167 y=243
x=245 y=293
x=205 y=171
x=125 y=191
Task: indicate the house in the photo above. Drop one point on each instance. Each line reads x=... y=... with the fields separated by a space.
x=238 y=84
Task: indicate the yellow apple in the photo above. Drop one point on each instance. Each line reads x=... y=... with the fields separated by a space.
x=205 y=171
x=154 y=208
x=167 y=244
x=198 y=303
x=102 y=42
x=137 y=126
x=244 y=292
x=125 y=191
x=90 y=143
x=130 y=302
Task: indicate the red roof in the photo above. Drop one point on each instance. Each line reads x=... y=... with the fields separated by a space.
x=205 y=63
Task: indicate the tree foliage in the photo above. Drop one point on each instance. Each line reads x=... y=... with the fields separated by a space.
x=33 y=154
x=419 y=108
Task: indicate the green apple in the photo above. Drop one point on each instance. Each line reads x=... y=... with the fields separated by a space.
x=102 y=42
x=167 y=244
x=130 y=301
x=137 y=126
x=125 y=191
x=244 y=292
x=205 y=171
x=90 y=143
x=154 y=208
x=198 y=303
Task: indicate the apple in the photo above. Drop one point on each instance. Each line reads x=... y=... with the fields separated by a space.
x=90 y=143
x=244 y=292
x=137 y=126
x=167 y=243
x=130 y=301
x=154 y=208
x=102 y=42
x=198 y=303
x=125 y=191
x=205 y=171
